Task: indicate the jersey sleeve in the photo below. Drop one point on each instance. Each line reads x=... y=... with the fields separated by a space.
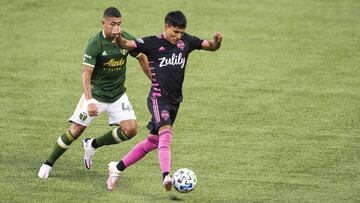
x=144 y=45
x=91 y=51
x=194 y=42
x=126 y=35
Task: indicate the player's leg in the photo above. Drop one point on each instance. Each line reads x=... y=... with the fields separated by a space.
x=121 y=114
x=62 y=144
x=168 y=116
x=137 y=152
x=164 y=155
x=80 y=120
x=164 y=115
x=127 y=129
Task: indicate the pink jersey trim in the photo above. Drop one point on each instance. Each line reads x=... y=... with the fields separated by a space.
x=156 y=109
x=205 y=43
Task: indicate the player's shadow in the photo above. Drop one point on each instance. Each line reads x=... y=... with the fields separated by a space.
x=175 y=198
x=154 y=197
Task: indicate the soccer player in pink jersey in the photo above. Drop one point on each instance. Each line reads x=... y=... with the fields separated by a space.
x=167 y=54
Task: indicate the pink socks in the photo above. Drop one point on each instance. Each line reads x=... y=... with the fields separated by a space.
x=162 y=142
x=164 y=153
x=141 y=149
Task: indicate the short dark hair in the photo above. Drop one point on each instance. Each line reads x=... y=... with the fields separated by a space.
x=112 y=12
x=176 y=19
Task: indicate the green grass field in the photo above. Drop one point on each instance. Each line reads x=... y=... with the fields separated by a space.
x=273 y=116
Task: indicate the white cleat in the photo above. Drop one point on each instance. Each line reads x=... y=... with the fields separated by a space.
x=89 y=152
x=44 y=171
x=167 y=183
x=113 y=175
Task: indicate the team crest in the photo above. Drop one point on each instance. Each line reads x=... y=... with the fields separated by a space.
x=83 y=116
x=123 y=51
x=165 y=115
x=180 y=44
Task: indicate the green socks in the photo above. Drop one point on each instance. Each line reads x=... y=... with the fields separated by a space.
x=112 y=137
x=62 y=144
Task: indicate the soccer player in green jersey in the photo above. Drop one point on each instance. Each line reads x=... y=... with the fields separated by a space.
x=103 y=78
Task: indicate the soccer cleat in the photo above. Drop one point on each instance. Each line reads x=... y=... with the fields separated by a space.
x=44 y=171
x=113 y=175
x=167 y=183
x=89 y=152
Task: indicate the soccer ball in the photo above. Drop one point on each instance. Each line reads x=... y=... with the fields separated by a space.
x=184 y=180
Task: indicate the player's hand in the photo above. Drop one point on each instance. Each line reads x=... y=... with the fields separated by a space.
x=92 y=109
x=217 y=37
x=116 y=31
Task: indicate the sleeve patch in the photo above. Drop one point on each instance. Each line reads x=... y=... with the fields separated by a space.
x=140 y=40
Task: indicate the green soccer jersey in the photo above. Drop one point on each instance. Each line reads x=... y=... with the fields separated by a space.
x=109 y=63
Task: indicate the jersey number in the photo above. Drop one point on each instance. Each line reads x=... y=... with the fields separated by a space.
x=125 y=107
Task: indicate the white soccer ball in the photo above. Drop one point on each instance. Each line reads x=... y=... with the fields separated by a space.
x=184 y=180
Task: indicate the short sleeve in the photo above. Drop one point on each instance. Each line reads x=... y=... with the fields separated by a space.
x=144 y=45
x=194 y=42
x=91 y=51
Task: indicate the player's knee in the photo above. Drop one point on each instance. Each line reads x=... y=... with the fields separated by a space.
x=76 y=130
x=130 y=131
x=129 y=128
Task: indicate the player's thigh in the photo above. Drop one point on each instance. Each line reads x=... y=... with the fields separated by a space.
x=174 y=108
x=121 y=110
x=160 y=110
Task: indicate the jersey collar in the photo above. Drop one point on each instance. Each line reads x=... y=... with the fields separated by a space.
x=103 y=34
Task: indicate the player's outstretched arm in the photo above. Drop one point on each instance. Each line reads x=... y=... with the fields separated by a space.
x=124 y=43
x=214 y=44
x=144 y=63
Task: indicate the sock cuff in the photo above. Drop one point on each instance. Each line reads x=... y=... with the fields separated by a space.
x=65 y=140
x=69 y=136
x=165 y=131
x=119 y=135
x=121 y=166
x=165 y=174
x=62 y=144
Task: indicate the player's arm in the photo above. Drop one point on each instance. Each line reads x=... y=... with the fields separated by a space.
x=214 y=44
x=120 y=40
x=144 y=63
x=86 y=83
x=125 y=43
